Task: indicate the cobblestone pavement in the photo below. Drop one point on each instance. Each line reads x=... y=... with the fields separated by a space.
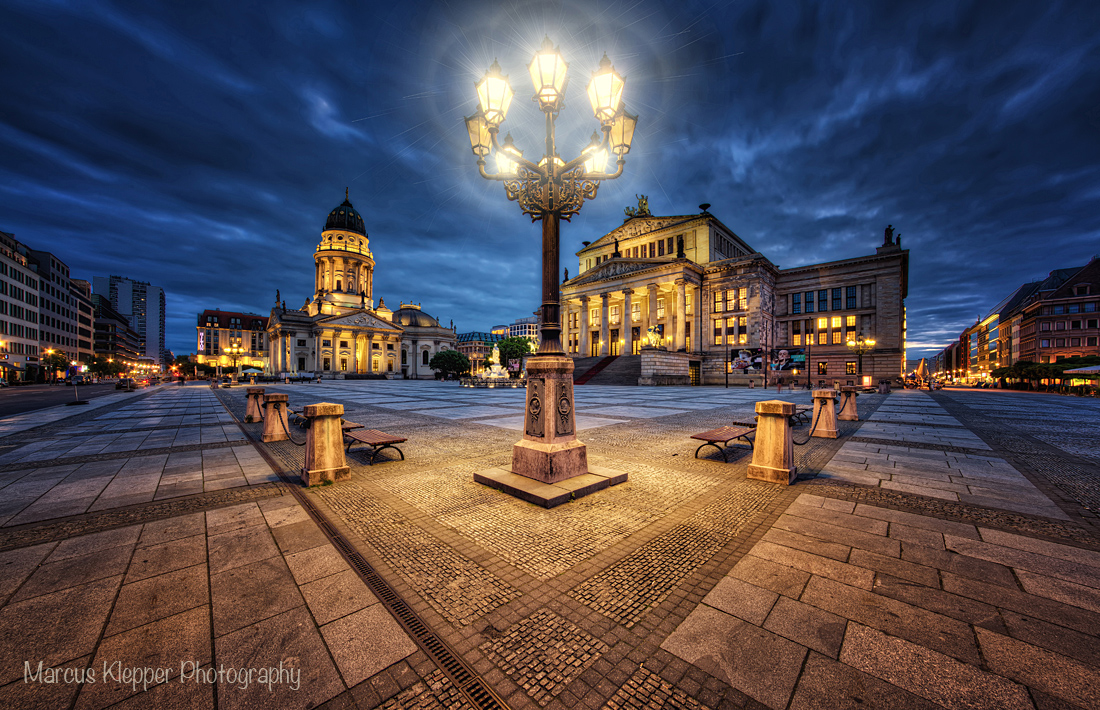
x=940 y=553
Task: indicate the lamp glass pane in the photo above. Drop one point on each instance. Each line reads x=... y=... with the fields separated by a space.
x=605 y=93
x=548 y=72
x=478 y=130
x=494 y=97
x=597 y=163
x=622 y=132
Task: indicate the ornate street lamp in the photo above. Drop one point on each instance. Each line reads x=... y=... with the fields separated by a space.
x=860 y=345
x=549 y=190
x=234 y=351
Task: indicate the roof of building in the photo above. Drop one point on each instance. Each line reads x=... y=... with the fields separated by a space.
x=249 y=321
x=481 y=336
x=410 y=315
x=344 y=217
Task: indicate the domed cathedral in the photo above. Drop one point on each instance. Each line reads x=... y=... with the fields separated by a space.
x=339 y=332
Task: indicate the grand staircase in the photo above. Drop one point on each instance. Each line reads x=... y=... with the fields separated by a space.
x=614 y=370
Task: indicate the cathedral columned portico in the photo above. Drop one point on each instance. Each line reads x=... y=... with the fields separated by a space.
x=339 y=332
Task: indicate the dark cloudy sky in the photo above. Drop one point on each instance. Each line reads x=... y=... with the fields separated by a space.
x=199 y=146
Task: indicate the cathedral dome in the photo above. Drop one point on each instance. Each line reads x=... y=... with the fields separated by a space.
x=411 y=315
x=344 y=217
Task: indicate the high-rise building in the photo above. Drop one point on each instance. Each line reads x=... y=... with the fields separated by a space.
x=18 y=311
x=81 y=291
x=57 y=307
x=114 y=338
x=143 y=305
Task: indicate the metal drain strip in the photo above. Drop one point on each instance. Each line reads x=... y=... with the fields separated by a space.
x=469 y=683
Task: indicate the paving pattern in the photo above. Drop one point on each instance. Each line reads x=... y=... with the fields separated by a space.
x=942 y=553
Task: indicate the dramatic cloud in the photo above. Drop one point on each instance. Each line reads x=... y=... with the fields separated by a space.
x=200 y=146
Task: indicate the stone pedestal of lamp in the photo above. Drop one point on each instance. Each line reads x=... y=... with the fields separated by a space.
x=325 y=460
x=275 y=423
x=848 y=412
x=254 y=412
x=549 y=465
x=773 y=449
x=824 y=414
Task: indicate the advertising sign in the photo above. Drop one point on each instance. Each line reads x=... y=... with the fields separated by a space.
x=788 y=359
x=747 y=359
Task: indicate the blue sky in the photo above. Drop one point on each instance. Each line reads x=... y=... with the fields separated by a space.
x=199 y=146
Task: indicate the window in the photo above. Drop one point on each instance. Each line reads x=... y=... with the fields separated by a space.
x=1091 y=323
x=1091 y=341
x=822 y=368
x=743 y=338
x=835 y=322
x=343 y=364
x=389 y=346
x=661 y=248
x=837 y=340
x=425 y=357
x=849 y=368
x=743 y=299
x=615 y=315
x=687 y=303
x=660 y=308
x=301 y=343
x=1073 y=308
x=1080 y=290
x=731 y=299
x=850 y=321
x=717 y=302
x=635 y=312
x=404 y=357
x=594 y=315
x=823 y=338
x=1060 y=325
x=851 y=298
x=810 y=302
x=1075 y=342
x=670 y=245
x=836 y=299
x=327 y=364
x=326 y=343
x=1044 y=326
x=343 y=343
x=1075 y=325
x=796 y=303
x=718 y=332
x=822 y=323
x=1060 y=343
x=823 y=300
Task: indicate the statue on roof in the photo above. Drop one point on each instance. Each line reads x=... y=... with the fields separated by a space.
x=566 y=273
x=642 y=209
x=277 y=297
x=889 y=240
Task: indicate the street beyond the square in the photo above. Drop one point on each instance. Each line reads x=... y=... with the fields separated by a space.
x=944 y=551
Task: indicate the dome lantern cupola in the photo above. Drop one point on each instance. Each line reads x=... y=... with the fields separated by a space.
x=345 y=217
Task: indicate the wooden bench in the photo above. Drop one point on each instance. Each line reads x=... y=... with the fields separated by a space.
x=803 y=413
x=724 y=434
x=375 y=439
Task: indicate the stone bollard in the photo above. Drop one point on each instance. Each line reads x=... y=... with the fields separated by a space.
x=325 y=461
x=275 y=423
x=773 y=450
x=252 y=380
x=884 y=387
x=848 y=411
x=825 y=414
x=254 y=413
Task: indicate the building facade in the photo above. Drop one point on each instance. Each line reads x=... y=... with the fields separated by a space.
x=19 y=312
x=231 y=339
x=57 y=306
x=144 y=305
x=477 y=346
x=704 y=291
x=114 y=339
x=339 y=332
x=81 y=292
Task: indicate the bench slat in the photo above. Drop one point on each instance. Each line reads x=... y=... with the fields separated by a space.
x=373 y=437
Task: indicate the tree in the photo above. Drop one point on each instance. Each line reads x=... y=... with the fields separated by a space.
x=52 y=362
x=450 y=362
x=513 y=348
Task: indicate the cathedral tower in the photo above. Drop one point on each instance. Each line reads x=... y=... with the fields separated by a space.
x=344 y=277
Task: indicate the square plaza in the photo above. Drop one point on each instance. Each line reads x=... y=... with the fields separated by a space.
x=942 y=552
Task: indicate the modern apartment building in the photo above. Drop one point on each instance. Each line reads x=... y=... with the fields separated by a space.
x=144 y=306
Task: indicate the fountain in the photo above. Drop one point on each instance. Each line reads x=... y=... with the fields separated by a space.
x=495 y=376
x=495 y=371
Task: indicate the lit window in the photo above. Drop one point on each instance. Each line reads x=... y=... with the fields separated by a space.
x=743 y=338
x=822 y=323
x=836 y=321
x=743 y=299
x=796 y=339
x=614 y=315
x=849 y=368
x=660 y=308
x=822 y=368
x=717 y=301
x=731 y=299
x=836 y=337
x=851 y=321
x=822 y=338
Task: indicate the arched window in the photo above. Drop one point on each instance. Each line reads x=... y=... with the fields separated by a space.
x=425 y=357
x=404 y=357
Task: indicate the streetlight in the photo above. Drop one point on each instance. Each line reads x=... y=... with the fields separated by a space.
x=234 y=352
x=860 y=345
x=549 y=190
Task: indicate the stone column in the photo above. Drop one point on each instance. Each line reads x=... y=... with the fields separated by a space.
x=824 y=421
x=253 y=413
x=605 y=334
x=848 y=411
x=681 y=315
x=773 y=449
x=651 y=300
x=628 y=323
x=325 y=459
x=586 y=339
x=275 y=423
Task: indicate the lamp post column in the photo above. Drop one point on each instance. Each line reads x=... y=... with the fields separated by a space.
x=604 y=332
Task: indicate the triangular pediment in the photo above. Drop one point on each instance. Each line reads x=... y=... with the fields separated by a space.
x=617 y=269
x=637 y=226
x=359 y=319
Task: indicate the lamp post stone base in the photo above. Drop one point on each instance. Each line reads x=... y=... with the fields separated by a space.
x=773 y=450
x=325 y=461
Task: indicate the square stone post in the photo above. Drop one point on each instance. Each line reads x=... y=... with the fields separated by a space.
x=325 y=459
x=549 y=451
x=585 y=337
x=628 y=323
x=848 y=412
x=254 y=411
x=605 y=333
x=275 y=423
x=773 y=449
x=825 y=414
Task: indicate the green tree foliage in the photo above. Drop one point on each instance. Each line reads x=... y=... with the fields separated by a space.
x=53 y=362
x=100 y=367
x=513 y=348
x=450 y=362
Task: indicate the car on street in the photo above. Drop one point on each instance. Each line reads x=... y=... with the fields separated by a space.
x=126 y=383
